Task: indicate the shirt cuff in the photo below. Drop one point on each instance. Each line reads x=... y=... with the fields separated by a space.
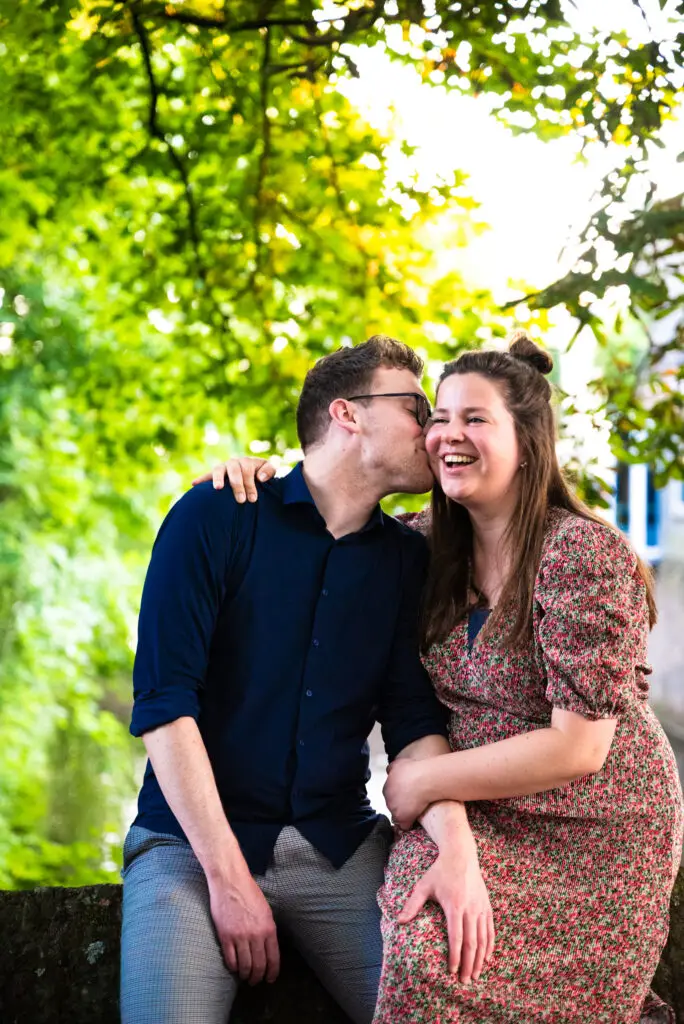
x=399 y=738
x=153 y=708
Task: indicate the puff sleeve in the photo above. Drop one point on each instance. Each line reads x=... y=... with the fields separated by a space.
x=421 y=522
x=591 y=620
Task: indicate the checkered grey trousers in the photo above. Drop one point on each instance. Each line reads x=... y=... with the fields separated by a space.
x=172 y=967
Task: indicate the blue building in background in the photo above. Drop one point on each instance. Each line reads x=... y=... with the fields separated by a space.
x=641 y=510
x=653 y=519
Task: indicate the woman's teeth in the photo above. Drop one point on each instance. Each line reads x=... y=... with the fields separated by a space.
x=459 y=460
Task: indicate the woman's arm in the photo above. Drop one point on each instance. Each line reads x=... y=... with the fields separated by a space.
x=454 y=880
x=591 y=639
x=570 y=748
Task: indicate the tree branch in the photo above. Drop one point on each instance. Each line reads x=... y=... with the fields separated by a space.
x=156 y=132
x=185 y=17
x=252 y=283
x=265 y=154
x=364 y=17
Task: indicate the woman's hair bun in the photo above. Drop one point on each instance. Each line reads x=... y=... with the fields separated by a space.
x=522 y=347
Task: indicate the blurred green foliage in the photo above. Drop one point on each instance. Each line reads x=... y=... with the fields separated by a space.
x=190 y=214
x=641 y=390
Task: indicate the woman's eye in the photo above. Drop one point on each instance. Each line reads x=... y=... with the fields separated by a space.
x=475 y=419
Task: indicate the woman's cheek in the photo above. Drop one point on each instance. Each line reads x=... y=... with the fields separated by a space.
x=435 y=466
x=432 y=440
x=432 y=448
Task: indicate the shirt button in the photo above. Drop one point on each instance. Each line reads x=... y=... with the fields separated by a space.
x=315 y=643
x=324 y=592
x=301 y=743
x=309 y=693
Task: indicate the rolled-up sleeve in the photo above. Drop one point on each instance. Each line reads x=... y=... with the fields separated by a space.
x=183 y=592
x=409 y=709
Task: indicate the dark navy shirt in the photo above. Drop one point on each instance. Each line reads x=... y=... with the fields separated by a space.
x=285 y=645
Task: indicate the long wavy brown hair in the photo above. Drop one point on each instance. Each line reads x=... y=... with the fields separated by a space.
x=520 y=375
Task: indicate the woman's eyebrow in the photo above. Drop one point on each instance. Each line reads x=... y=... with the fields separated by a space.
x=470 y=408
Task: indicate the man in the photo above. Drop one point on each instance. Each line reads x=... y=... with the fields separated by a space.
x=272 y=636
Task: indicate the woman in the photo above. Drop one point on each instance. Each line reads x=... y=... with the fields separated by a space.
x=535 y=631
x=535 y=628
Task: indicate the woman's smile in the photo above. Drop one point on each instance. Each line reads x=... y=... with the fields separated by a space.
x=456 y=462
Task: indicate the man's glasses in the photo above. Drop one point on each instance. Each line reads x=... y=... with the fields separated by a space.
x=422 y=410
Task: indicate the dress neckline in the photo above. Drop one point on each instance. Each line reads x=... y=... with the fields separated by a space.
x=476 y=620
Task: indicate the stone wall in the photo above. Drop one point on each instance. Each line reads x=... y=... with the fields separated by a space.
x=59 y=964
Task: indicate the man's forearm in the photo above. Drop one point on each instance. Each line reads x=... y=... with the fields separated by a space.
x=446 y=821
x=185 y=775
x=242 y=917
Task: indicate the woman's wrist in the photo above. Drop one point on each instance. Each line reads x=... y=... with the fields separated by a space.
x=458 y=846
x=447 y=823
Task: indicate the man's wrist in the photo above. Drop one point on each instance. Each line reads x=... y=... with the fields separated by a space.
x=224 y=862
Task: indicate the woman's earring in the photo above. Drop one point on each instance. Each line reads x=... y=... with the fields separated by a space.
x=522 y=465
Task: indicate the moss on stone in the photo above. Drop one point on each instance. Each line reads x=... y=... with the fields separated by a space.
x=60 y=962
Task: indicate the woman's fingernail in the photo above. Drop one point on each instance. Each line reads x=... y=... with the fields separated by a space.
x=262 y=476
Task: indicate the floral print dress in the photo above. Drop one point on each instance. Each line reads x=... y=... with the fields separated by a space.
x=579 y=877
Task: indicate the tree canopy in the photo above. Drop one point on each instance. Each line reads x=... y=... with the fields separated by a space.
x=192 y=212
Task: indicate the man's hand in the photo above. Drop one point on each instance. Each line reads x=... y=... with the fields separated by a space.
x=456 y=883
x=405 y=791
x=246 y=929
x=241 y=475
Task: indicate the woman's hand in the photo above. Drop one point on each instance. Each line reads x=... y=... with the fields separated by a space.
x=241 y=474
x=406 y=791
x=455 y=882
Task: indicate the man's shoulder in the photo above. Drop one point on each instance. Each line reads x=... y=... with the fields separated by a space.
x=209 y=510
x=203 y=500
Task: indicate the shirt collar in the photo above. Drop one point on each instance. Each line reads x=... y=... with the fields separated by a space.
x=296 y=491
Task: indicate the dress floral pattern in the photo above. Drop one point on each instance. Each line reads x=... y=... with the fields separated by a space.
x=579 y=877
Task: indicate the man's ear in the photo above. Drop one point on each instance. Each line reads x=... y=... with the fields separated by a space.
x=343 y=414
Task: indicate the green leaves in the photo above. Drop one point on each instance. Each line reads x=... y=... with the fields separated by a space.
x=643 y=397
x=191 y=214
